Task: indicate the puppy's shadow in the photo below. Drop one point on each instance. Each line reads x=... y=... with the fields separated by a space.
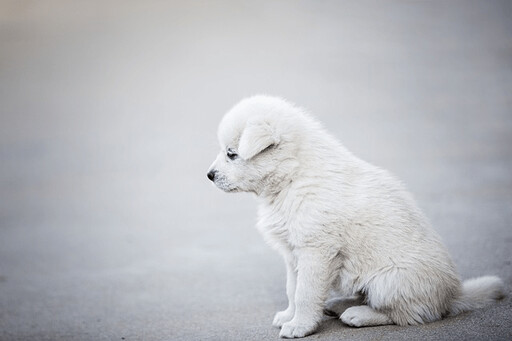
x=334 y=307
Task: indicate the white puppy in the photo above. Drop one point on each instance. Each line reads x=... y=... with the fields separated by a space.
x=339 y=222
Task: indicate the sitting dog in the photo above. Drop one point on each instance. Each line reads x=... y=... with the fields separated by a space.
x=339 y=222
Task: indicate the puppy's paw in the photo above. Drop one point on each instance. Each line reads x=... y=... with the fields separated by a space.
x=352 y=317
x=282 y=317
x=292 y=329
x=363 y=315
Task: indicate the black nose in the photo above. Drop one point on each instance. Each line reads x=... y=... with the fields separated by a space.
x=211 y=175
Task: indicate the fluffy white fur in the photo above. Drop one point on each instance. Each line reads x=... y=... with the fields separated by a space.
x=339 y=222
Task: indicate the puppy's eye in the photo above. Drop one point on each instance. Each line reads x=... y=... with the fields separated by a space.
x=231 y=154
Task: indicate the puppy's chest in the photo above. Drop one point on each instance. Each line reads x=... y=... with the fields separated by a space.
x=275 y=225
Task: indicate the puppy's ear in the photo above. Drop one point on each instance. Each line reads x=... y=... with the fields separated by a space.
x=256 y=136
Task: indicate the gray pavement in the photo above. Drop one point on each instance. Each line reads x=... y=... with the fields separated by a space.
x=109 y=229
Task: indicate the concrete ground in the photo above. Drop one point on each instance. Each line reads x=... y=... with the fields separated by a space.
x=109 y=228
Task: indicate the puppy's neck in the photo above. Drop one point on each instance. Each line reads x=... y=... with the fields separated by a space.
x=273 y=193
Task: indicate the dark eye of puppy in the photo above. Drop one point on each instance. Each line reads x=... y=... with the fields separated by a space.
x=231 y=154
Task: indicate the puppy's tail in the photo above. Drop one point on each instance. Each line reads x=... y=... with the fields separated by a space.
x=477 y=293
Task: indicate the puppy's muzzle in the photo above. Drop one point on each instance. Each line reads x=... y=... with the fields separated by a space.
x=211 y=174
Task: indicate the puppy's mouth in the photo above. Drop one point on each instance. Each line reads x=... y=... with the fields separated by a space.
x=229 y=189
x=226 y=187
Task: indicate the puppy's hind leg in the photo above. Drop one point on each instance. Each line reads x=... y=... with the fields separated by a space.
x=364 y=316
x=336 y=306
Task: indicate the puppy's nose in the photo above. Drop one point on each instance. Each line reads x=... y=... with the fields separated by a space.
x=211 y=174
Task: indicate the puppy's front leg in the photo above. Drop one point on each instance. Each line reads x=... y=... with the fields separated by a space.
x=291 y=280
x=313 y=280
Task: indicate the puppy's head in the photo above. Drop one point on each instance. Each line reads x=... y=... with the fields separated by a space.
x=255 y=153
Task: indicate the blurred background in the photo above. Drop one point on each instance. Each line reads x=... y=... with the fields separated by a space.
x=109 y=228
